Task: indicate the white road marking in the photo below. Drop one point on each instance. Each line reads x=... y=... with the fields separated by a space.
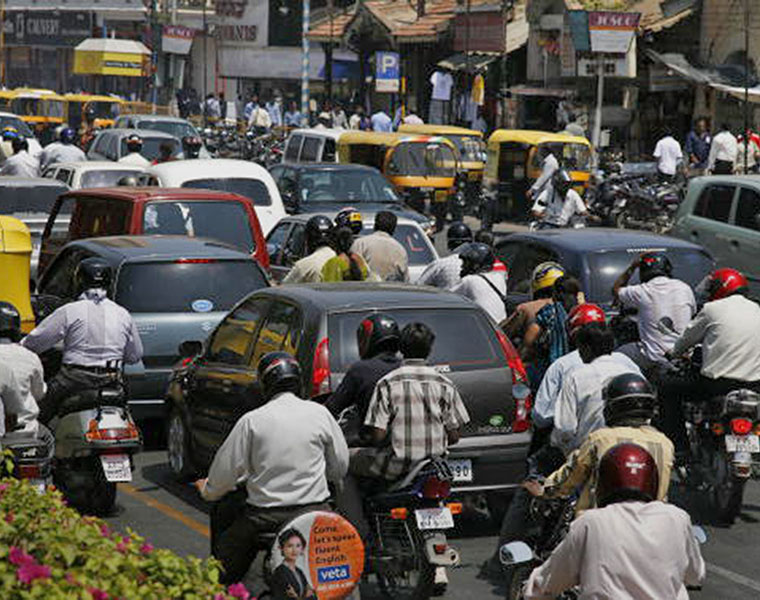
x=735 y=577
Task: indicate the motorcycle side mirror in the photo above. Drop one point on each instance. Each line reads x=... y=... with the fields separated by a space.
x=515 y=553
x=190 y=349
x=699 y=534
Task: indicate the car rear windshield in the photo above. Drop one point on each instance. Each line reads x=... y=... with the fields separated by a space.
x=224 y=221
x=345 y=185
x=21 y=127
x=187 y=285
x=37 y=199
x=413 y=241
x=151 y=147
x=479 y=349
x=689 y=265
x=470 y=148
x=98 y=179
x=254 y=189
x=176 y=128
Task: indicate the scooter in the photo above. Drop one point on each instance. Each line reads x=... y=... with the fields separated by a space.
x=95 y=440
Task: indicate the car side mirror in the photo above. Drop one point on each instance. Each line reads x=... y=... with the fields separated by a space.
x=190 y=349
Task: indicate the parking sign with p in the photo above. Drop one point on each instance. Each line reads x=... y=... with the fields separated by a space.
x=387 y=71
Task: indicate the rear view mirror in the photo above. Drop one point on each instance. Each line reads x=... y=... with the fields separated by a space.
x=190 y=349
x=515 y=553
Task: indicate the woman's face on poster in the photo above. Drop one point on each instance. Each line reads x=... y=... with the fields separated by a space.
x=292 y=548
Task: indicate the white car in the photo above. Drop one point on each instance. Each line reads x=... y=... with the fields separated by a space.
x=175 y=126
x=225 y=175
x=91 y=173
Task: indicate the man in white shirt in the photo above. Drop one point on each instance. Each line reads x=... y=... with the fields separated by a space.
x=728 y=327
x=133 y=156
x=632 y=547
x=665 y=307
x=668 y=154
x=480 y=283
x=318 y=232
x=442 y=83
x=385 y=256
x=62 y=151
x=549 y=166
x=445 y=272
x=286 y=452
x=21 y=164
x=382 y=122
x=559 y=202
x=723 y=152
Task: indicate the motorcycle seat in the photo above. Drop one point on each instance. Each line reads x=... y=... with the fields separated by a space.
x=91 y=398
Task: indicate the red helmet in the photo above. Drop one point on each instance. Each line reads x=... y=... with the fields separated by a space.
x=725 y=282
x=582 y=315
x=627 y=472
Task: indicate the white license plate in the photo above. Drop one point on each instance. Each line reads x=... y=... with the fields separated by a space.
x=461 y=469
x=742 y=443
x=116 y=467
x=434 y=518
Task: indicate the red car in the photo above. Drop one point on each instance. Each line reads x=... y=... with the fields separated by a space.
x=99 y=212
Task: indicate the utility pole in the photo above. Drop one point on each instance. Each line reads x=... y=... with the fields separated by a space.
x=305 y=23
x=154 y=55
x=597 y=134
x=329 y=55
x=746 y=84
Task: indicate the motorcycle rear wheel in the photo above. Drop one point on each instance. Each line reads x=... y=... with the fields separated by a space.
x=726 y=491
x=414 y=579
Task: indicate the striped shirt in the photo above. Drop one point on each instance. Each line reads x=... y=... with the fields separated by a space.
x=416 y=405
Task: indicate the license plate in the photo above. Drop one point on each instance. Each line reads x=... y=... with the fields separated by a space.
x=38 y=484
x=116 y=467
x=434 y=518
x=461 y=469
x=441 y=195
x=742 y=443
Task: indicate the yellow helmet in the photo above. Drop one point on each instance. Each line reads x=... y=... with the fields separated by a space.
x=545 y=274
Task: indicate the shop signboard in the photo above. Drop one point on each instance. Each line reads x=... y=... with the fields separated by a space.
x=612 y=32
x=47 y=27
x=177 y=39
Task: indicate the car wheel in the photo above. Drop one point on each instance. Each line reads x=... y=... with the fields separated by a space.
x=178 y=447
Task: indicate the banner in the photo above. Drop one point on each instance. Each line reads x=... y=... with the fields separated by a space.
x=177 y=39
x=612 y=32
x=46 y=27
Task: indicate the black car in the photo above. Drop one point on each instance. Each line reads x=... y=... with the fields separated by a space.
x=596 y=256
x=317 y=323
x=175 y=288
x=318 y=188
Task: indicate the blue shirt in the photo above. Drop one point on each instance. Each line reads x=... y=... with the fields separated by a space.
x=381 y=122
x=274 y=113
x=293 y=119
x=699 y=147
x=543 y=410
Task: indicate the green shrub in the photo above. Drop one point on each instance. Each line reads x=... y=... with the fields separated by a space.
x=48 y=550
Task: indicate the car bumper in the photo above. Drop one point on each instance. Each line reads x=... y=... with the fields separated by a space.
x=498 y=462
x=147 y=393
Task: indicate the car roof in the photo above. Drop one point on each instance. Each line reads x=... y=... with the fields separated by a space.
x=99 y=165
x=370 y=296
x=149 y=117
x=198 y=168
x=726 y=179
x=589 y=239
x=6 y=181
x=120 y=248
x=143 y=133
x=330 y=167
x=144 y=194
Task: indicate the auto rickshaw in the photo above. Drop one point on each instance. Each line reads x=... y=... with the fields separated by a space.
x=15 y=258
x=472 y=158
x=98 y=111
x=514 y=164
x=42 y=109
x=422 y=167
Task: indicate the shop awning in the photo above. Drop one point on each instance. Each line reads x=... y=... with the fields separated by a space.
x=683 y=68
x=110 y=56
x=524 y=90
x=478 y=61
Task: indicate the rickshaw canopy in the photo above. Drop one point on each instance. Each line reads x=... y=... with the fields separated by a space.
x=15 y=256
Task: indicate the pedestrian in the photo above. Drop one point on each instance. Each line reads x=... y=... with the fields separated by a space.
x=385 y=256
x=212 y=107
x=260 y=121
x=479 y=123
x=222 y=106
x=723 y=151
x=412 y=118
x=749 y=149
x=21 y=164
x=698 y=146
x=274 y=108
x=293 y=116
x=381 y=121
x=250 y=106
x=359 y=119
x=668 y=154
x=339 y=119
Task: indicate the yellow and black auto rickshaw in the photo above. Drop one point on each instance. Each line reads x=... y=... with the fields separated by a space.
x=422 y=167
x=514 y=164
x=42 y=109
x=99 y=112
x=15 y=258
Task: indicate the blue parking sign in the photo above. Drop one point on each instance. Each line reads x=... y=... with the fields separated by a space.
x=387 y=71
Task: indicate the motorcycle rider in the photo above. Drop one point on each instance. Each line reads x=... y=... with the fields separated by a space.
x=549 y=166
x=285 y=451
x=385 y=255
x=96 y=333
x=62 y=151
x=415 y=413
x=728 y=328
x=318 y=233
x=134 y=147
x=21 y=163
x=351 y=218
x=377 y=337
x=542 y=286
x=445 y=272
x=632 y=547
x=191 y=146
x=559 y=203
x=659 y=296
x=629 y=406
x=480 y=283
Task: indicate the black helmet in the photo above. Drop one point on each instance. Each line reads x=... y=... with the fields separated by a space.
x=134 y=143
x=91 y=273
x=377 y=332
x=562 y=181
x=476 y=258
x=67 y=135
x=457 y=235
x=318 y=230
x=628 y=398
x=10 y=322
x=654 y=264
x=278 y=372
x=191 y=144
x=351 y=218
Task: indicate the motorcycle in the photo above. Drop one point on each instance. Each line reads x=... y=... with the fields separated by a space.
x=95 y=440
x=651 y=207
x=32 y=458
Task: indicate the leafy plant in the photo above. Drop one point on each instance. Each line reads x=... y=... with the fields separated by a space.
x=48 y=550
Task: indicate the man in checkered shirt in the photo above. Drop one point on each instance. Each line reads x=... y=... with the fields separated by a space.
x=414 y=413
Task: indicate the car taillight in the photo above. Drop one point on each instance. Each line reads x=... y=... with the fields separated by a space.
x=28 y=472
x=320 y=375
x=520 y=390
x=111 y=434
x=194 y=261
x=741 y=426
x=435 y=489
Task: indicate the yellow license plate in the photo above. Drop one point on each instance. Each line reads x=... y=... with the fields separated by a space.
x=441 y=195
